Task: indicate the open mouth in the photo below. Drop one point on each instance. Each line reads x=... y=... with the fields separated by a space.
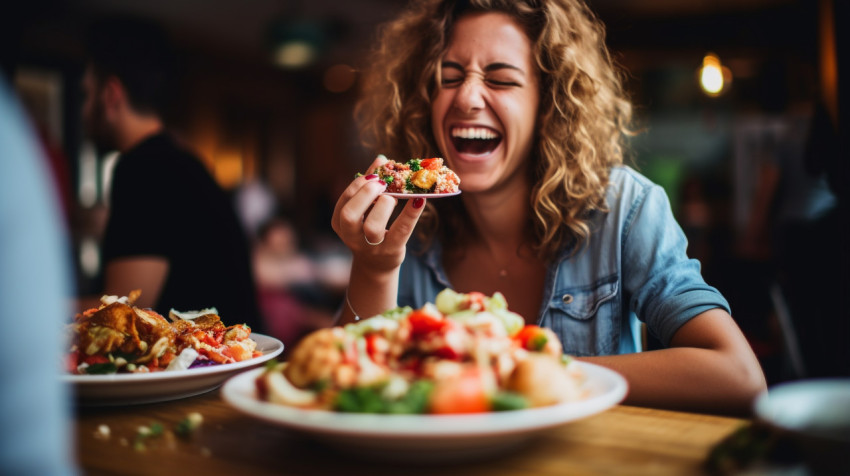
x=475 y=140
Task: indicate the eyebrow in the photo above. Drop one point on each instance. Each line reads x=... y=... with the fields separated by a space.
x=489 y=68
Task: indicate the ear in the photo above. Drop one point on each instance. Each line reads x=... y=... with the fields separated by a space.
x=113 y=94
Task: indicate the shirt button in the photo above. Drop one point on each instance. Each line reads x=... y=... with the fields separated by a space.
x=568 y=298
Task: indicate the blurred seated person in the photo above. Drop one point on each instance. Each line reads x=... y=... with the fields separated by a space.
x=278 y=262
x=290 y=283
x=172 y=231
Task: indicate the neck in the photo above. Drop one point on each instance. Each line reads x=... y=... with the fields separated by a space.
x=136 y=128
x=500 y=218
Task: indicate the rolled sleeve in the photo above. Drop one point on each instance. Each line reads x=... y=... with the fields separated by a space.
x=667 y=288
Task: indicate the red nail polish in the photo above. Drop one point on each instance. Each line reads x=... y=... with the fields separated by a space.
x=418 y=202
x=382 y=183
x=371 y=177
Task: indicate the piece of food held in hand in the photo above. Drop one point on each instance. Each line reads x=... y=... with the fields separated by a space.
x=118 y=337
x=466 y=353
x=418 y=176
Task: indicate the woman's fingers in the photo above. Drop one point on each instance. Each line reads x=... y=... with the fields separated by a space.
x=405 y=223
x=362 y=214
x=353 y=188
x=375 y=224
x=356 y=199
x=354 y=212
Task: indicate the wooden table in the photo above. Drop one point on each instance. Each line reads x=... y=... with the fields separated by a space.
x=622 y=440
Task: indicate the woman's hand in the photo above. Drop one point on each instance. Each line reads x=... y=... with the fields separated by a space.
x=362 y=214
x=361 y=219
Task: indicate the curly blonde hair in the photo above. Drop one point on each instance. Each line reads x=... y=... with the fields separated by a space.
x=583 y=115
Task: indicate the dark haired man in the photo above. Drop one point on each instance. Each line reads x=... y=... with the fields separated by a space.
x=172 y=232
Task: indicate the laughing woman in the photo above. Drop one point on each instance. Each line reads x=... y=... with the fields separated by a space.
x=522 y=100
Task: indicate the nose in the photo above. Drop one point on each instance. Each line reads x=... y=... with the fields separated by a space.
x=470 y=96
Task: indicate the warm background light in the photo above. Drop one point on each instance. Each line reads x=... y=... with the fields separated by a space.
x=713 y=76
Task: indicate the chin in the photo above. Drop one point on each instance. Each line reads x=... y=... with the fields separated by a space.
x=476 y=182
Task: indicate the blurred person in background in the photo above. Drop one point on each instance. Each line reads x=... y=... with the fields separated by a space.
x=522 y=100
x=172 y=231
x=286 y=277
x=35 y=284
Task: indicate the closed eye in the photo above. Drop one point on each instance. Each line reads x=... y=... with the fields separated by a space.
x=495 y=82
x=503 y=71
x=451 y=82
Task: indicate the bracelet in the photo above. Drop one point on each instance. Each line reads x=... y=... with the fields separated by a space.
x=350 y=307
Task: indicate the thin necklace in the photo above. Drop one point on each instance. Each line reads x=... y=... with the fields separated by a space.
x=503 y=268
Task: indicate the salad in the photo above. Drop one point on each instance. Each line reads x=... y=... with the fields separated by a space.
x=418 y=176
x=465 y=353
x=118 y=337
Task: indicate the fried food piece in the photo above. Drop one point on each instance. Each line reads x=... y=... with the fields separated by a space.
x=112 y=328
x=155 y=330
x=320 y=357
x=118 y=327
x=544 y=380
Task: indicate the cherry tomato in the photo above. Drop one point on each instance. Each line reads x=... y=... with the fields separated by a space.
x=532 y=337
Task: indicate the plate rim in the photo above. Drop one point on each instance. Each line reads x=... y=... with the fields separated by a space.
x=421 y=195
x=417 y=427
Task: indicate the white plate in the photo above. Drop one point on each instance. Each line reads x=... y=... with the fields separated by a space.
x=123 y=389
x=427 y=438
x=422 y=195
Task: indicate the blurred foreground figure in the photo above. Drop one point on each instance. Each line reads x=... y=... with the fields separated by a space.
x=34 y=290
x=172 y=232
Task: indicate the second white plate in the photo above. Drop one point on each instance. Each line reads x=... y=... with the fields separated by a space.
x=123 y=389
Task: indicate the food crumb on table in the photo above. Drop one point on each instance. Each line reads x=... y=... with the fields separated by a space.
x=188 y=425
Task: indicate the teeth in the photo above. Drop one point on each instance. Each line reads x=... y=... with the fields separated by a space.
x=474 y=133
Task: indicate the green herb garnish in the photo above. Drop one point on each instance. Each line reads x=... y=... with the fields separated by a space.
x=372 y=400
x=100 y=369
x=506 y=401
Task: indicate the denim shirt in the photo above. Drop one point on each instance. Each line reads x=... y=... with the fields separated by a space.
x=634 y=268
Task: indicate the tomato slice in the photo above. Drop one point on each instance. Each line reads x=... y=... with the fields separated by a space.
x=433 y=163
x=377 y=347
x=95 y=359
x=72 y=360
x=422 y=322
